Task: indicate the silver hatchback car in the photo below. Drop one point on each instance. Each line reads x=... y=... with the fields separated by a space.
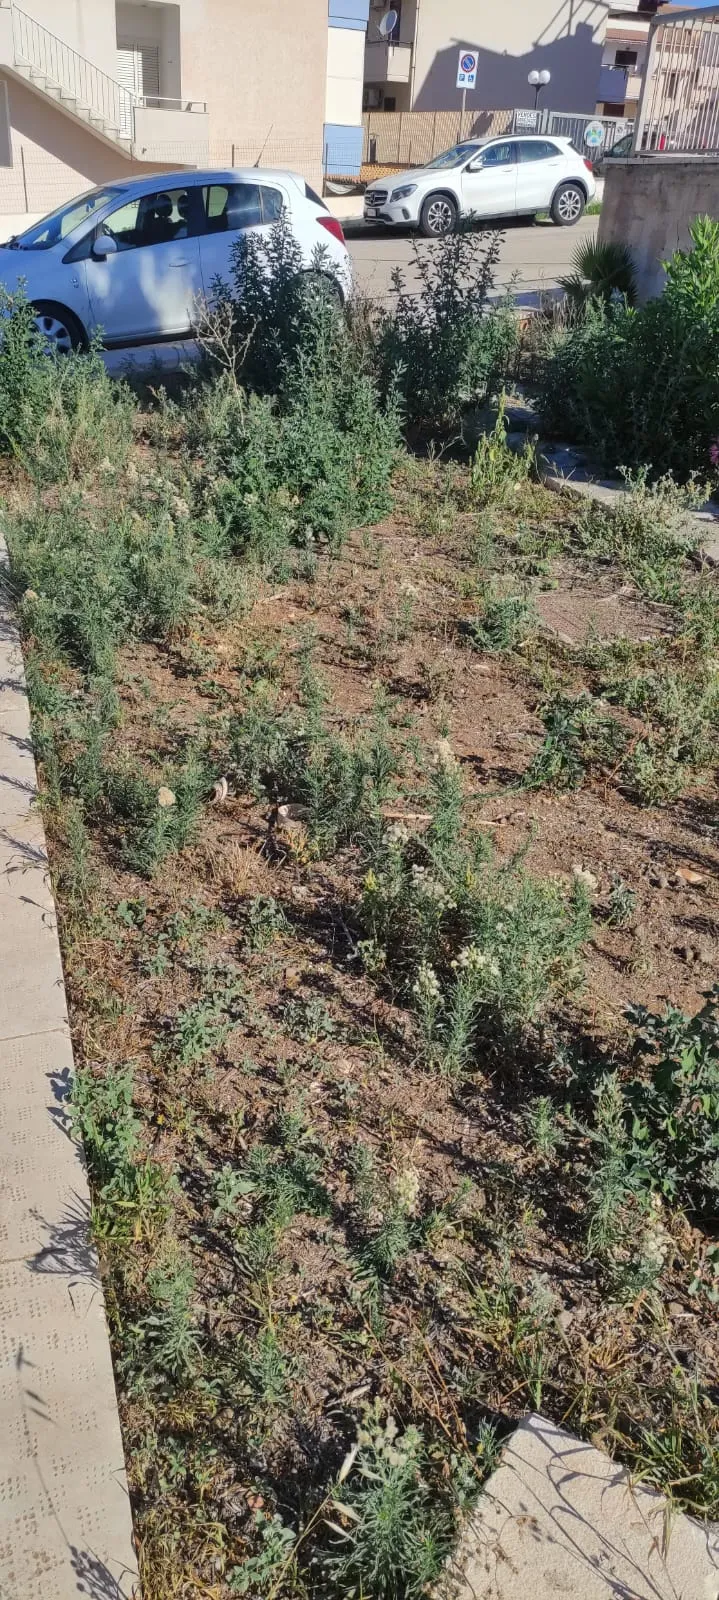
x=132 y=260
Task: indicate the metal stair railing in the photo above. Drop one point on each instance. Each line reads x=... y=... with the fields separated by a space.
x=35 y=47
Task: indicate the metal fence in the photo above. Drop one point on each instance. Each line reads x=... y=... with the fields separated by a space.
x=571 y=125
x=38 y=181
x=409 y=138
x=679 y=106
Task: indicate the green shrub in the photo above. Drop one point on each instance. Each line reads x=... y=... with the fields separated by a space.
x=647 y=530
x=62 y=416
x=672 y=1104
x=266 y=317
x=155 y=818
x=601 y=270
x=504 y=622
x=498 y=471
x=397 y=1533
x=162 y=1350
x=304 y=474
x=94 y=574
x=446 y=347
x=292 y=756
x=130 y=1192
x=641 y=387
x=578 y=735
x=307 y=451
x=470 y=945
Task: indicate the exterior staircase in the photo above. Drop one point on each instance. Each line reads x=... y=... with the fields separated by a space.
x=52 y=68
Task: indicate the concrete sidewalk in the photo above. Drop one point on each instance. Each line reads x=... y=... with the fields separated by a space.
x=65 y=1525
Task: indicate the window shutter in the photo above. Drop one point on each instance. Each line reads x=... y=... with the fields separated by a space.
x=149 y=70
x=138 y=68
x=126 y=66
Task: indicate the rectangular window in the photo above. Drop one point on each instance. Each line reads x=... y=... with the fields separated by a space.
x=232 y=207
x=272 y=203
x=625 y=58
x=155 y=219
x=537 y=150
x=499 y=155
x=138 y=68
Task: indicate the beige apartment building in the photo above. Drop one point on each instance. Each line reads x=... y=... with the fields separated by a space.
x=92 y=89
x=416 y=68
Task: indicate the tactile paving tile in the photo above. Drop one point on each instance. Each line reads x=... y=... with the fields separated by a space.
x=44 y=1204
x=32 y=989
x=63 y=1496
x=65 y=1524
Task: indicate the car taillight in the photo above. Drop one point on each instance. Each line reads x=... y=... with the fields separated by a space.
x=333 y=226
x=588 y=164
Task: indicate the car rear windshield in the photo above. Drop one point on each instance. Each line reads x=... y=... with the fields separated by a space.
x=53 y=229
x=455 y=156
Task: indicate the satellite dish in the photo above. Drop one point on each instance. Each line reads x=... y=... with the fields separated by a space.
x=388 y=23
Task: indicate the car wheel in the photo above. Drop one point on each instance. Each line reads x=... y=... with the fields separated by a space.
x=323 y=286
x=439 y=216
x=58 y=328
x=568 y=205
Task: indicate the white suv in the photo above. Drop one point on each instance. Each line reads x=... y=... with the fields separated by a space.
x=486 y=178
x=131 y=261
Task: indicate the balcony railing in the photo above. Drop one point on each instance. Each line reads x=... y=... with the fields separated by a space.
x=163 y=102
x=613 y=85
x=679 y=108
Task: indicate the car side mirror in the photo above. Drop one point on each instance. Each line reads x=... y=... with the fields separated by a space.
x=103 y=246
x=476 y=165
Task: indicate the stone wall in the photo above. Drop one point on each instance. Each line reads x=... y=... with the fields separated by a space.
x=649 y=204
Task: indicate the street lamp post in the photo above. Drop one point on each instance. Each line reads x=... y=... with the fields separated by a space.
x=538 y=81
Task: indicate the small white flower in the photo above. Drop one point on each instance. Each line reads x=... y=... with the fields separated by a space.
x=472 y=959
x=426 y=985
x=431 y=888
x=444 y=755
x=404 y=1187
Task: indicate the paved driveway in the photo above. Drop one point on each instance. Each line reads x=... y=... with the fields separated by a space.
x=533 y=254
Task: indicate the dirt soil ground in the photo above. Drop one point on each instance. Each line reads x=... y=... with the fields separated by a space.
x=492 y=1304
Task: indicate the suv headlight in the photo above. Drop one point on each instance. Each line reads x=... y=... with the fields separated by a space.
x=401 y=194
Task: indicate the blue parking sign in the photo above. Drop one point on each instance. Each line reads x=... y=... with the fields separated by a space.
x=467 y=69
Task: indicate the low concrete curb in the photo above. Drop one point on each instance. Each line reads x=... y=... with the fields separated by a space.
x=561 y=467
x=560 y=1518
x=65 y=1524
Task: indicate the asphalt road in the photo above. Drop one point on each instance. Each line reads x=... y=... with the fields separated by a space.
x=533 y=256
